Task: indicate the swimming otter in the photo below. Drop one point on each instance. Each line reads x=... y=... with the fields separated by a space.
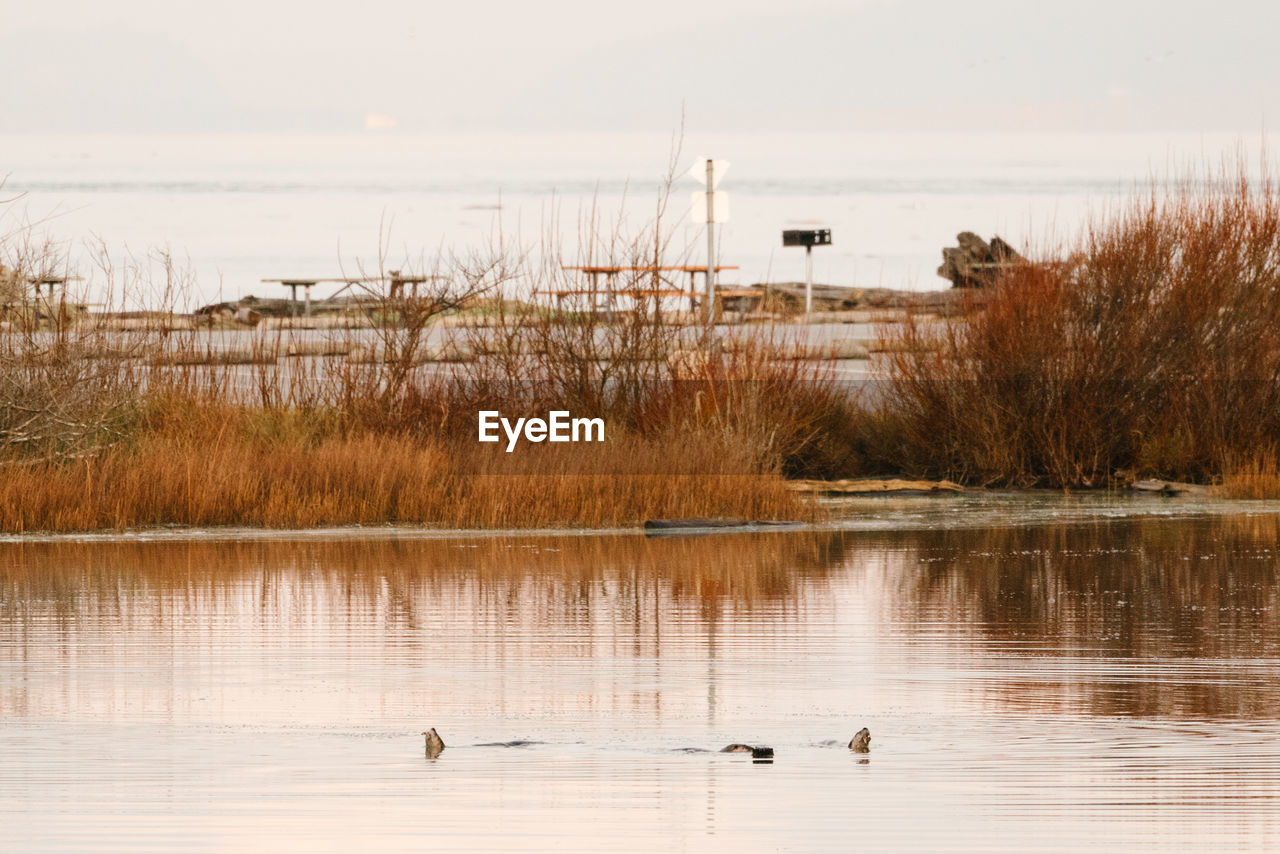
x=435 y=744
x=861 y=741
x=756 y=752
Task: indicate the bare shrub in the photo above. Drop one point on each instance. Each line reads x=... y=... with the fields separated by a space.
x=1153 y=349
x=68 y=385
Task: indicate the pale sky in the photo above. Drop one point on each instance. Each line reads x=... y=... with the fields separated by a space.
x=147 y=65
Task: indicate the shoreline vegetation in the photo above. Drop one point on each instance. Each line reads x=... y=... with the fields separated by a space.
x=1148 y=348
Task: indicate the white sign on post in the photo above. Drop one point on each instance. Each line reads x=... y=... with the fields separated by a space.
x=698 y=206
x=698 y=172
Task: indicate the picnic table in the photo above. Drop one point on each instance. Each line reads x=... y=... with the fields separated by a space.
x=51 y=282
x=398 y=282
x=13 y=284
x=14 y=294
x=611 y=271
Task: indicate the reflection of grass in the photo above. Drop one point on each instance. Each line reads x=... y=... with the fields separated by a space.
x=1147 y=591
x=550 y=575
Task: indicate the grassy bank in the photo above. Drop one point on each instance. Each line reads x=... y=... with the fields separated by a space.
x=113 y=443
x=207 y=463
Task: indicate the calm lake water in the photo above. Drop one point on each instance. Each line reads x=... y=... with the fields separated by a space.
x=237 y=208
x=1062 y=678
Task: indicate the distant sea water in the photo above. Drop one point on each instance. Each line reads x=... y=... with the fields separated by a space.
x=235 y=209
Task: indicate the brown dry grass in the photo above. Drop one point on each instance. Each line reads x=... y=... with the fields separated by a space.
x=1255 y=476
x=206 y=463
x=330 y=440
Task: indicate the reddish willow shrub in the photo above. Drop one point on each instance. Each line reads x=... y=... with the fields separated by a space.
x=1152 y=349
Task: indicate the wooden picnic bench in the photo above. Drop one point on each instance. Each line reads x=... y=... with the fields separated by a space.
x=398 y=283
x=611 y=271
x=14 y=295
x=51 y=282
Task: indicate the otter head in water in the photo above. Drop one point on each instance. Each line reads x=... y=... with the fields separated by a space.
x=435 y=744
x=861 y=741
x=756 y=752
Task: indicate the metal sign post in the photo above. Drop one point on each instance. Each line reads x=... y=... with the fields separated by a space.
x=716 y=204
x=808 y=280
x=711 y=245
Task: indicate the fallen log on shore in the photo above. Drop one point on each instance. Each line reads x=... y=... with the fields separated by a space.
x=873 y=487
x=697 y=524
x=1169 y=487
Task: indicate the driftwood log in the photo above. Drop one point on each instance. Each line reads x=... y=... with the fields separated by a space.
x=1169 y=487
x=873 y=487
x=976 y=263
x=696 y=524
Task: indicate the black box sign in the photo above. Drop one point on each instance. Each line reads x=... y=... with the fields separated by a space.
x=818 y=237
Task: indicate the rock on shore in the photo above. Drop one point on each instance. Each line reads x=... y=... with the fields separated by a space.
x=974 y=263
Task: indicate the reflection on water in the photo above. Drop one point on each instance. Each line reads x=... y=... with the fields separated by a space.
x=1104 y=682
x=1138 y=618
